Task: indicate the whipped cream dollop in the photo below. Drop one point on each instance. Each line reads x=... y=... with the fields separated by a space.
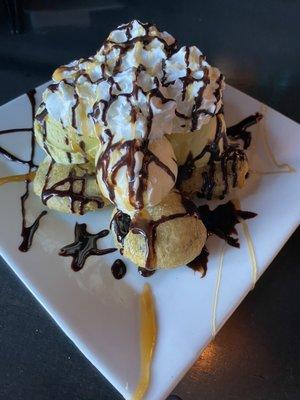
x=138 y=88
x=150 y=58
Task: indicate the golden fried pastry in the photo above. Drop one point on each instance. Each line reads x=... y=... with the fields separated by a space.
x=164 y=236
x=219 y=178
x=68 y=188
x=208 y=162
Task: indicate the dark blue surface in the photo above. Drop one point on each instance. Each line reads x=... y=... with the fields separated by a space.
x=256 y=45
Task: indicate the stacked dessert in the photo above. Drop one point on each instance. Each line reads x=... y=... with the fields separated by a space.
x=140 y=125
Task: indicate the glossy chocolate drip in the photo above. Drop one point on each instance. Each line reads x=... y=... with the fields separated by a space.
x=239 y=131
x=187 y=79
x=145 y=272
x=200 y=262
x=75 y=197
x=27 y=232
x=74 y=123
x=120 y=223
x=84 y=246
x=118 y=269
x=222 y=220
x=9 y=156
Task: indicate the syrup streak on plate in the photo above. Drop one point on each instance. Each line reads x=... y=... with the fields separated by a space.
x=17 y=178
x=250 y=244
x=217 y=289
x=282 y=167
x=148 y=332
x=250 y=250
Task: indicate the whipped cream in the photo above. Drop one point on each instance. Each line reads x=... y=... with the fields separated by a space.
x=195 y=86
x=137 y=88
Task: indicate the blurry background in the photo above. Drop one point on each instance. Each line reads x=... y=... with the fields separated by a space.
x=256 y=45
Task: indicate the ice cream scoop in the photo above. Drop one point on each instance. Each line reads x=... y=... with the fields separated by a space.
x=135 y=174
x=165 y=236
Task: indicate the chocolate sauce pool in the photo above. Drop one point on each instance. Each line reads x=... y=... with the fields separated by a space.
x=199 y=263
x=222 y=220
x=84 y=246
x=118 y=269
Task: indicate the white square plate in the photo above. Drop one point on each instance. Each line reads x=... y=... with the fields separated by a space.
x=99 y=313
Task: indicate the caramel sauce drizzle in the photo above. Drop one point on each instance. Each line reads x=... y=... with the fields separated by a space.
x=282 y=167
x=217 y=290
x=17 y=178
x=148 y=334
x=250 y=245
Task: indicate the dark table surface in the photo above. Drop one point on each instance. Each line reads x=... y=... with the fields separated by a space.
x=256 y=45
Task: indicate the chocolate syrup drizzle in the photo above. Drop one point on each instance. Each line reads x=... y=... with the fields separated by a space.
x=148 y=228
x=145 y=272
x=231 y=154
x=27 y=232
x=75 y=197
x=199 y=263
x=84 y=246
x=129 y=44
x=239 y=131
x=185 y=171
x=222 y=220
x=100 y=108
x=130 y=147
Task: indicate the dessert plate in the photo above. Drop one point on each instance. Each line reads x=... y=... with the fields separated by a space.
x=101 y=314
